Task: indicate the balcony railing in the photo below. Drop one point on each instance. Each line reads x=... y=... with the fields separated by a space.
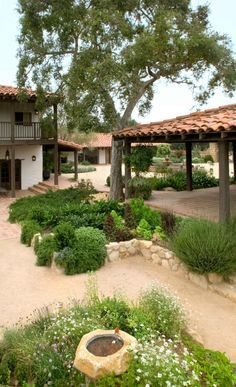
x=22 y=132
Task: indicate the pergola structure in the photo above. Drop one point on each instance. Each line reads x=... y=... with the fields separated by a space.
x=66 y=146
x=212 y=125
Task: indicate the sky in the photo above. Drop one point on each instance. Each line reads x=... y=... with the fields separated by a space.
x=169 y=101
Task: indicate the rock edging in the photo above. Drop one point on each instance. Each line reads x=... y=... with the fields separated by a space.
x=166 y=258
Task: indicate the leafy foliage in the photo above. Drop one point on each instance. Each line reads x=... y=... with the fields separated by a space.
x=44 y=250
x=87 y=254
x=139 y=187
x=141 y=158
x=64 y=235
x=42 y=352
x=142 y=211
x=102 y=46
x=144 y=230
x=178 y=181
x=28 y=230
x=206 y=247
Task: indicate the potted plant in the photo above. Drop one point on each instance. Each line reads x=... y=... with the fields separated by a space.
x=47 y=165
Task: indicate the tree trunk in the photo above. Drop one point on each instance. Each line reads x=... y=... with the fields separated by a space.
x=116 y=190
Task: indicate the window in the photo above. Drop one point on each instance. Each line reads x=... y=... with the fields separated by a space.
x=23 y=118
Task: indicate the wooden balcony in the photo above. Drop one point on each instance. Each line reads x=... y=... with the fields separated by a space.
x=25 y=133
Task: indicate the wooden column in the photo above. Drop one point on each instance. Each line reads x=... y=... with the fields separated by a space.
x=127 y=152
x=13 y=172
x=56 y=163
x=234 y=159
x=55 y=145
x=76 y=164
x=59 y=163
x=188 y=148
x=224 y=190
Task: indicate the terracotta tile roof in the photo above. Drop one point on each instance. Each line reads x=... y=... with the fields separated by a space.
x=69 y=144
x=100 y=140
x=211 y=120
x=10 y=91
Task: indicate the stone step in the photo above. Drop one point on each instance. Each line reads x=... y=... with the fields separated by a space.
x=35 y=190
x=47 y=185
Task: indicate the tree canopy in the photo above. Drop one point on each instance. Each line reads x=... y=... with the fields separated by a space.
x=106 y=55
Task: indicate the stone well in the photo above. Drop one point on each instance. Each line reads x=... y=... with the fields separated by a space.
x=104 y=352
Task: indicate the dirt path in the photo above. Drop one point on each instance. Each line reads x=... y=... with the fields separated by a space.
x=25 y=287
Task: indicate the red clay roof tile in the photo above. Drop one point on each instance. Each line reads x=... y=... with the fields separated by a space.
x=213 y=120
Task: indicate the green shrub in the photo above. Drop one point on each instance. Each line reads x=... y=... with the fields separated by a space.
x=44 y=250
x=139 y=187
x=202 y=180
x=208 y=158
x=119 y=222
x=163 y=310
x=129 y=217
x=178 y=181
x=206 y=247
x=85 y=162
x=142 y=211
x=113 y=232
x=88 y=254
x=113 y=312
x=64 y=235
x=67 y=168
x=140 y=158
x=28 y=229
x=144 y=230
x=109 y=228
x=42 y=352
x=86 y=168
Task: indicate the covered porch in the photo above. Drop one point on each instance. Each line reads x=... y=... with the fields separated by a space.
x=213 y=125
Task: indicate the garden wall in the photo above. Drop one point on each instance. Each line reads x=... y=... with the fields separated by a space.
x=162 y=256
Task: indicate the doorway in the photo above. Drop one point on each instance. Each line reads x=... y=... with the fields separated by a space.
x=5 y=174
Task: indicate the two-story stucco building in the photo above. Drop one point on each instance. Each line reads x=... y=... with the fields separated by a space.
x=22 y=140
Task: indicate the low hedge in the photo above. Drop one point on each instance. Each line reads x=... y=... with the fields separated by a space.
x=28 y=229
x=44 y=250
x=178 y=181
x=206 y=247
x=87 y=254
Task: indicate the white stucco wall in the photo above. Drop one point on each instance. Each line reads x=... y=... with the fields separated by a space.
x=101 y=156
x=31 y=171
x=8 y=108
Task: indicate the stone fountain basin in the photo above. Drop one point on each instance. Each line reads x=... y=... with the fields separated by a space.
x=105 y=361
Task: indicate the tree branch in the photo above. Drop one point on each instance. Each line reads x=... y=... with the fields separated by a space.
x=134 y=100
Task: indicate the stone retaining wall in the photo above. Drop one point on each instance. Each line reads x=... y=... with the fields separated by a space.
x=162 y=256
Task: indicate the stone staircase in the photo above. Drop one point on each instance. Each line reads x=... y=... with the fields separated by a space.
x=42 y=187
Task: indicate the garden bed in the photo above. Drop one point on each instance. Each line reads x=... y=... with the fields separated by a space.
x=225 y=286
x=42 y=353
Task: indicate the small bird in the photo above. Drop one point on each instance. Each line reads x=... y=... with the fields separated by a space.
x=117 y=330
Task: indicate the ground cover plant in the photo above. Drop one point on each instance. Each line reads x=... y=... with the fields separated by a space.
x=206 y=247
x=178 y=181
x=42 y=352
x=69 y=168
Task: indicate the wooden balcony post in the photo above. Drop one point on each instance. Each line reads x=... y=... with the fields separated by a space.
x=56 y=163
x=76 y=164
x=188 y=148
x=224 y=189
x=234 y=159
x=13 y=172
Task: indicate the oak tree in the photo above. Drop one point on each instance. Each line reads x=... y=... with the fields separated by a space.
x=105 y=56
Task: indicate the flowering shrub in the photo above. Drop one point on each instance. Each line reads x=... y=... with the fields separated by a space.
x=42 y=353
